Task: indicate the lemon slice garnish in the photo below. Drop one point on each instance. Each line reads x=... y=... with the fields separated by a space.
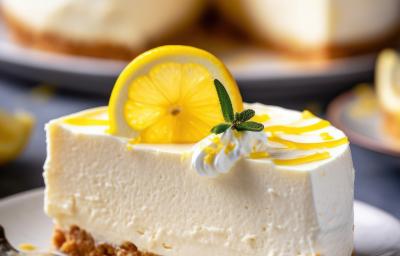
x=15 y=131
x=167 y=95
x=388 y=81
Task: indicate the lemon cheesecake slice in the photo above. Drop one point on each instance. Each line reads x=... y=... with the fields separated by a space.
x=388 y=90
x=112 y=29
x=325 y=28
x=177 y=165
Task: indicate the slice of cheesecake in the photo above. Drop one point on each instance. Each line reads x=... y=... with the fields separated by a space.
x=177 y=165
x=118 y=29
x=297 y=201
x=322 y=28
x=388 y=92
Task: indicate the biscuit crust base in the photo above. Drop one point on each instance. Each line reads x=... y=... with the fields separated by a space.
x=78 y=242
x=28 y=37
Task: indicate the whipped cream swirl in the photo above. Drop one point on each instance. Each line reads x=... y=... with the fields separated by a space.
x=217 y=154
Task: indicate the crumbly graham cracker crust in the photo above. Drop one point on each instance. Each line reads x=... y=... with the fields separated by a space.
x=50 y=42
x=78 y=242
x=23 y=34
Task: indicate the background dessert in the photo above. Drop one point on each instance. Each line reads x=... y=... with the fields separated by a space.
x=113 y=29
x=325 y=28
x=122 y=28
x=388 y=91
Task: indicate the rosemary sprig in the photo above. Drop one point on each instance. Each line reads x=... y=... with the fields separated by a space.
x=236 y=121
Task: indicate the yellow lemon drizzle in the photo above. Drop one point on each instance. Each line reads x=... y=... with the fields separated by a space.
x=260 y=118
x=326 y=136
x=216 y=140
x=210 y=154
x=307 y=115
x=229 y=148
x=209 y=158
x=131 y=142
x=297 y=129
x=304 y=159
x=83 y=121
x=88 y=119
x=310 y=145
x=185 y=155
x=237 y=134
x=258 y=155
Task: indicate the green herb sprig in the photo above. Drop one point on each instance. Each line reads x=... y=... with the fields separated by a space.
x=236 y=121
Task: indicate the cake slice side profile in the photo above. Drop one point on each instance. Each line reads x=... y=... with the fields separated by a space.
x=318 y=29
x=388 y=92
x=265 y=181
x=119 y=29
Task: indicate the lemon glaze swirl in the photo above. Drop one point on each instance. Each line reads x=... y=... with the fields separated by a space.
x=281 y=142
x=218 y=154
x=302 y=139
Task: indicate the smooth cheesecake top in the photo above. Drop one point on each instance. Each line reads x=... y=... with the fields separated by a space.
x=296 y=140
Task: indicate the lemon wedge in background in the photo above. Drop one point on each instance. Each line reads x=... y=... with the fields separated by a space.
x=387 y=78
x=15 y=130
x=167 y=95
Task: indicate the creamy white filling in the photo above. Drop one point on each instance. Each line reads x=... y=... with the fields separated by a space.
x=151 y=196
x=388 y=82
x=314 y=23
x=129 y=23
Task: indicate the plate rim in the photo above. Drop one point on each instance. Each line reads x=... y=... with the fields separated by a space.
x=20 y=196
x=333 y=113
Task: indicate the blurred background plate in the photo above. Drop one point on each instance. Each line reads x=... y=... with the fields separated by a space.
x=363 y=129
x=255 y=69
x=376 y=232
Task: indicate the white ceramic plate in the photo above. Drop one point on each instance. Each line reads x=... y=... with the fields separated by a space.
x=376 y=232
x=254 y=68
x=365 y=130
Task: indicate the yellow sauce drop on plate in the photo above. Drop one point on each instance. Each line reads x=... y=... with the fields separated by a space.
x=27 y=247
